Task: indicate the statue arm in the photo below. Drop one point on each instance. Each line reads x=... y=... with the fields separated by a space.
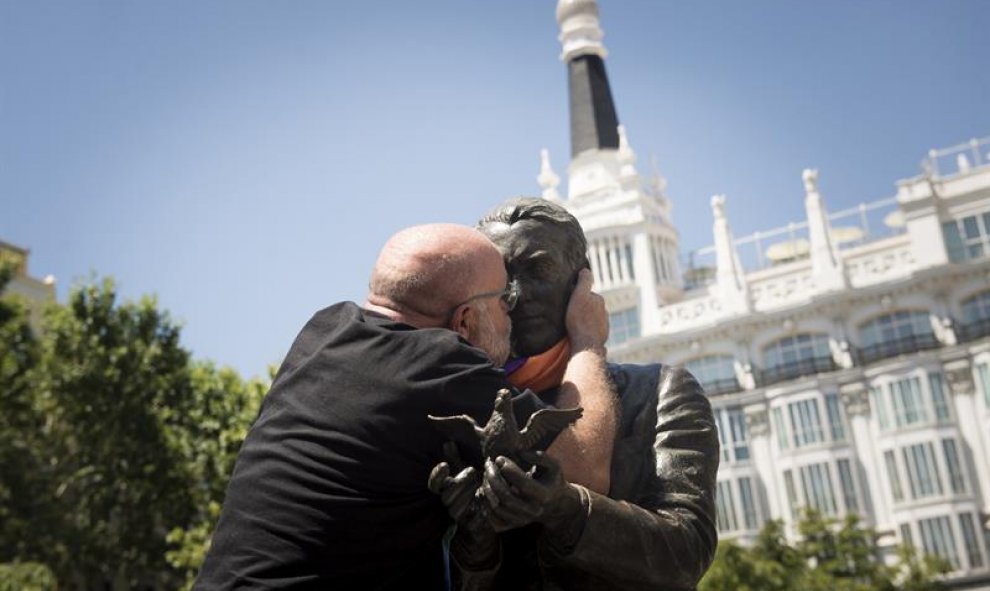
x=669 y=539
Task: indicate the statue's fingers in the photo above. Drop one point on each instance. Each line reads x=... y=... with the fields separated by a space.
x=487 y=488
x=461 y=490
x=438 y=478
x=548 y=469
x=453 y=456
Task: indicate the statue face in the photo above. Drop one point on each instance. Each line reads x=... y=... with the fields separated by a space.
x=536 y=257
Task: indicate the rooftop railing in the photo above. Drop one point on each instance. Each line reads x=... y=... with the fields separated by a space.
x=957 y=159
x=850 y=227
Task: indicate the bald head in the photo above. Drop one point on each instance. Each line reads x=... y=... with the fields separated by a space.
x=423 y=271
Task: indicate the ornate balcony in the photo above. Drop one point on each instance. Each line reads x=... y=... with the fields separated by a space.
x=796 y=369
x=906 y=344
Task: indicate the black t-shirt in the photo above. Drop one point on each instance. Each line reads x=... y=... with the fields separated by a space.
x=329 y=489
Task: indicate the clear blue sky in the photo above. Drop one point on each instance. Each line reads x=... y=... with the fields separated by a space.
x=244 y=160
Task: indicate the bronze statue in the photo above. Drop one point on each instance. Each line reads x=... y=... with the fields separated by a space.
x=501 y=435
x=655 y=529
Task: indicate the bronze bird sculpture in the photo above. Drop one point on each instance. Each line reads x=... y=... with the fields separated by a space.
x=501 y=435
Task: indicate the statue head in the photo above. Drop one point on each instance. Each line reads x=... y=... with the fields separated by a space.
x=544 y=249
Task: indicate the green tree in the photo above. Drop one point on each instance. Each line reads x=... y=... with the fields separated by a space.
x=211 y=434
x=23 y=505
x=828 y=556
x=113 y=385
x=115 y=447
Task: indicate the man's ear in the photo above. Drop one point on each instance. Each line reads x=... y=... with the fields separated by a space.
x=462 y=322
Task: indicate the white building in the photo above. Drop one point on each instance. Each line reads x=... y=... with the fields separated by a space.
x=847 y=355
x=35 y=291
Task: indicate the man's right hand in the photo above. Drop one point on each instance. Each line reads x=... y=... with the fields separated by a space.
x=587 y=318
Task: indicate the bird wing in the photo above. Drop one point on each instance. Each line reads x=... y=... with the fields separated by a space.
x=549 y=421
x=460 y=428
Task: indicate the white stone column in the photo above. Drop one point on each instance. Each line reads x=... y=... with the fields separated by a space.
x=917 y=199
x=856 y=400
x=613 y=257
x=959 y=375
x=649 y=305
x=624 y=262
x=758 y=428
x=827 y=269
x=730 y=278
x=547 y=178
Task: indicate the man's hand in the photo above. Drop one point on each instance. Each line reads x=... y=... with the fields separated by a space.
x=587 y=318
x=475 y=544
x=517 y=498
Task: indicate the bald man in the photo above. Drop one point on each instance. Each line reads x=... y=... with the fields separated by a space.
x=329 y=489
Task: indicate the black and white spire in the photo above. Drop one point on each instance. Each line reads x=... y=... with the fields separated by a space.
x=594 y=124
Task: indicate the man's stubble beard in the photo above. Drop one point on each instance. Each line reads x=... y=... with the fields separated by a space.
x=491 y=342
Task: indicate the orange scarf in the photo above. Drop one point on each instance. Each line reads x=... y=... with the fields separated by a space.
x=544 y=371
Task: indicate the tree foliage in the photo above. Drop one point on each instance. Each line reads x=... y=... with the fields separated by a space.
x=112 y=437
x=828 y=556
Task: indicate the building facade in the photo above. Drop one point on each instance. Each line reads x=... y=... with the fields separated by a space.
x=846 y=355
x=35 y=291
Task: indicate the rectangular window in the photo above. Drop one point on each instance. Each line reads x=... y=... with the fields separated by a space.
x=973 y=551
x=937 y=384
x=954 y=466
x=792 y=499
x=879 y=407
x=967 y=238
x=748 y=503
x=937 y=538
x=816 y=482
x=726 y=507
x=731 y=424
x=953 y=242
x=906 y=537
x=779 y=427
x=983 y=381
x=893 y=475
x=737 y=422
x=848 y=486
x=922 y=470
x=837 y=428
x=623 y=326
x=909 y=407
x=721 y=423
x=806 y=422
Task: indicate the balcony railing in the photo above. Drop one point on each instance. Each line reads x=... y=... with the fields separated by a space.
x=723 y=386
x=974 y=329
x=796 y=369
x=892 y=348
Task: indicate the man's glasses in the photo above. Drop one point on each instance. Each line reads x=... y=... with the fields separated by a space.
x=509 y=295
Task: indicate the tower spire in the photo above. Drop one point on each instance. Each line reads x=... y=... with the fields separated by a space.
x=594 y=124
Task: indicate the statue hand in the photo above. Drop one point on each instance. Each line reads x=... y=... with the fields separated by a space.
x=517 y=498
x=475 y=542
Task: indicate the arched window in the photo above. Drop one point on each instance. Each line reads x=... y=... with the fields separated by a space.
x=895 y=333
x=975 y=316
x=716 y=373
x=795 y=356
